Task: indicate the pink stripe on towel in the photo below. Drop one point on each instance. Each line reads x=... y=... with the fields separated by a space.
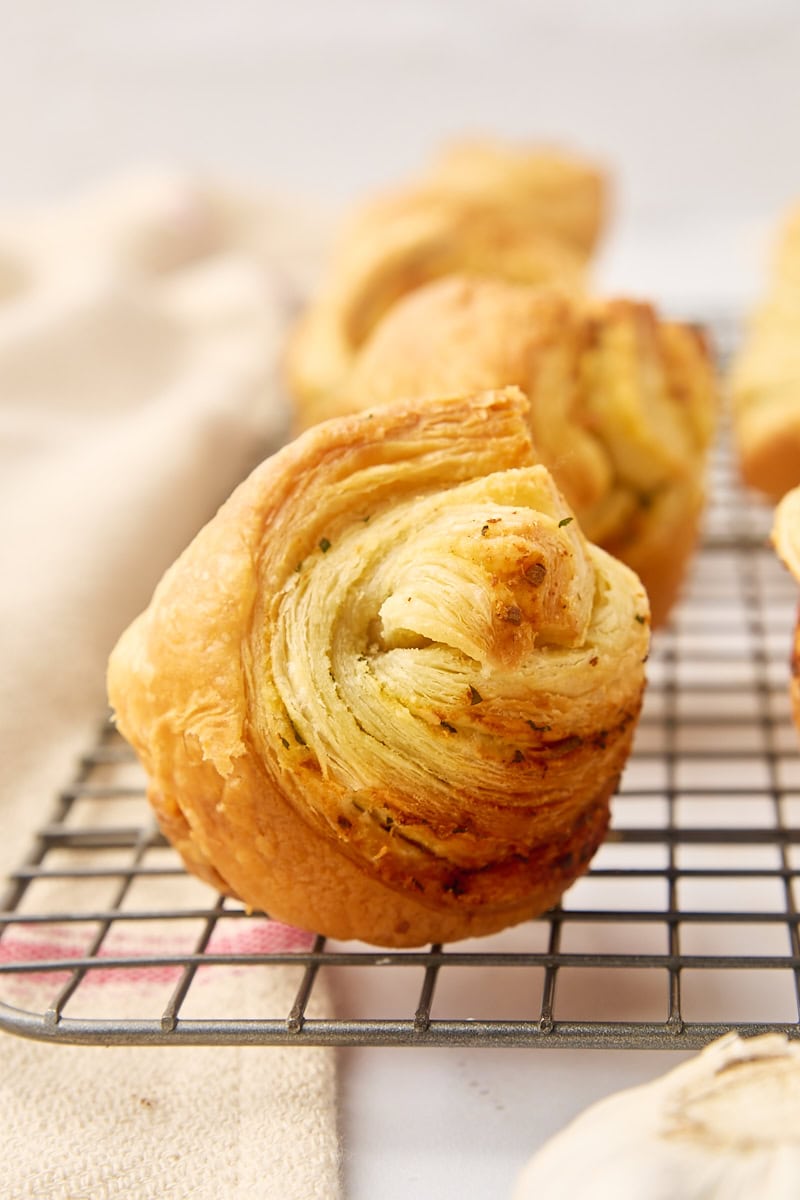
x=55 y=943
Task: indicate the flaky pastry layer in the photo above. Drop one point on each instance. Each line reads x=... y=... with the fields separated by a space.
x=388 y=691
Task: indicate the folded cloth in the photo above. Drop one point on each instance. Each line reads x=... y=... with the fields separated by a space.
x=140 y=333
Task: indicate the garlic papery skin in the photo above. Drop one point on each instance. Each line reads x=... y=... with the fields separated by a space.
x=725 y=1125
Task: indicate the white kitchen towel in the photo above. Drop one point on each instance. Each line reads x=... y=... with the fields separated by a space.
x=140 y=340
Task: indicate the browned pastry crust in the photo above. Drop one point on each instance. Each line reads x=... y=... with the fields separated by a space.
x=623 y=404
x=484 y=208
x=765 y=376
x=786 y=540
x=388 y=691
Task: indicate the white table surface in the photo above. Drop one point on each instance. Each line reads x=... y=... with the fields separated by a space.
x=461 y=1123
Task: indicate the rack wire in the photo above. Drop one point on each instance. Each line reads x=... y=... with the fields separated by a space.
x=685 y=927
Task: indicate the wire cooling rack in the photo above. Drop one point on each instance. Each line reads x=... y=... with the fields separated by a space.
x=685 y=927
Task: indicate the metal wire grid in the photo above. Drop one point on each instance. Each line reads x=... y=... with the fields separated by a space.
x=685 y=927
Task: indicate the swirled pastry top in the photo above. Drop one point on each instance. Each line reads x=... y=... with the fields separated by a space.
x=393 y=654
x=765 y=375
x=623 y=404
x=487 y=209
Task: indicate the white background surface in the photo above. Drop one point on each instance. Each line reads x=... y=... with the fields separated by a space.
x=452 y=1124
x=694 y=106
x=693 y=101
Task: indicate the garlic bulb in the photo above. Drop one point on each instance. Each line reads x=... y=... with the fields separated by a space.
x=724 y=1125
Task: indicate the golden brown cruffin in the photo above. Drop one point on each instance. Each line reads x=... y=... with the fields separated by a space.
x=484 y=208
x=565 y=196
x=623 y=404
x=765 y=376
x=389 y=689
x=786 y=540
